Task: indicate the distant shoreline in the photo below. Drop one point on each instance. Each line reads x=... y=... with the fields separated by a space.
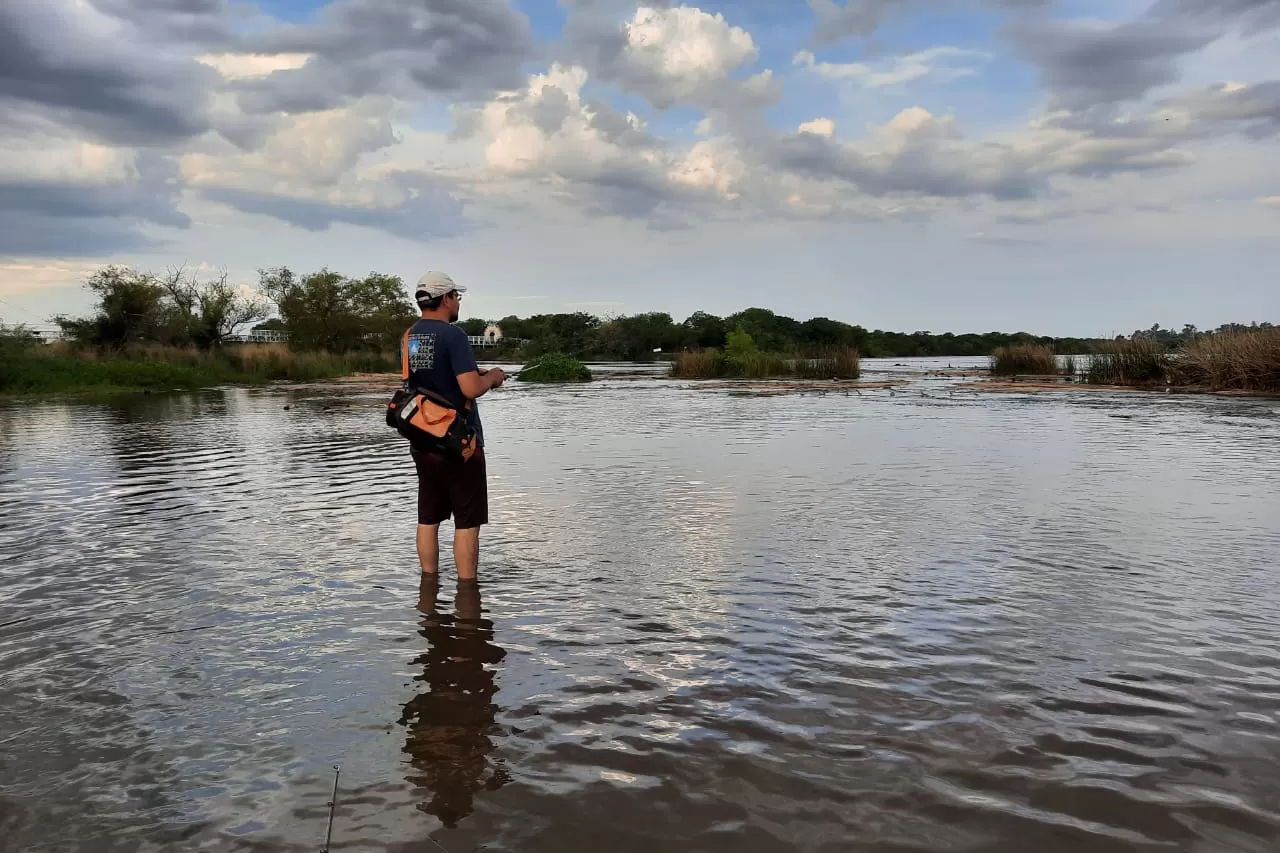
x=358 y=381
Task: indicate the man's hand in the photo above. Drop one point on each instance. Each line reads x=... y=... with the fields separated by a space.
x=496 y=377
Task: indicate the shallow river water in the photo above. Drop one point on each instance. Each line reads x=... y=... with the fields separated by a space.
x=909 y=620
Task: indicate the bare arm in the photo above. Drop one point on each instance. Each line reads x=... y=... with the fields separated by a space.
x=475 y=384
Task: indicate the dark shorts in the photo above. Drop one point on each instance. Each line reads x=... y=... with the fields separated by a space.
x=448 y=487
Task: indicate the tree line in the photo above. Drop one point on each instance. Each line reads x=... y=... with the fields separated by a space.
x=638 y=336
x=177 y=308
x=321 y=311
x=328 y=311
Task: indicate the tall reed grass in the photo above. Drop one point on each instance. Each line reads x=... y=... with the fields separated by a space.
x=836 y=363
x=1024 y=359
x=1232 y=361
x=702 y=364
x=65 y=367
x=1131 y=362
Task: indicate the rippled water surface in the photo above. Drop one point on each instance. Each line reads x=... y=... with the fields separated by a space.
x=909 y=620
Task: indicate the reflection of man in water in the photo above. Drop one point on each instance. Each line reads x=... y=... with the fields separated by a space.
x=449 y=726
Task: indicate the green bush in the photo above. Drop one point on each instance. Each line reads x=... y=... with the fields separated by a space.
x=556 y=367
x=759 y=365
x=743 y=359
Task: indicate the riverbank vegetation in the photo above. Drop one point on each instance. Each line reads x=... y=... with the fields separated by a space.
x=1139 y=361
x=555 y=367
x=1237 y=361
x=1025 y=360
x=1233 y=358
x=30 y=367
x=1245 y=359
x=151 y=332
x=642 y=337
x=179 y=329
x=742 y=358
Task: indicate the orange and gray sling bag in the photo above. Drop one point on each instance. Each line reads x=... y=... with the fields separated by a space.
x=427 y=420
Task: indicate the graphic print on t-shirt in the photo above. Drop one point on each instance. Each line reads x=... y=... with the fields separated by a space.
x=422 y=352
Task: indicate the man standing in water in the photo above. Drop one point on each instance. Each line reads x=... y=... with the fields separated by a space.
x=440 y=360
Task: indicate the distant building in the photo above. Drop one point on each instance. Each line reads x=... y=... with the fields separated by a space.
x=491 y=338
x=45 y=333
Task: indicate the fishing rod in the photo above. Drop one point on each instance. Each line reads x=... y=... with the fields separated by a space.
x=333 y=805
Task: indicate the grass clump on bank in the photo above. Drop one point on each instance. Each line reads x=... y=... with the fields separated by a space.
x=35 y=368
x=741 y=359
x=1024 y=360
x=1232 y=361
x=1132 y=362
x=833 y=363
x=703 y=364
x=556 y=367
x=714 y=364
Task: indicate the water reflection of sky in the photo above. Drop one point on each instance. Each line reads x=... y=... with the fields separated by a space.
x=700 y=598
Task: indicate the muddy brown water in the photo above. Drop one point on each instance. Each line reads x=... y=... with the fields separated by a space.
x=901 y=621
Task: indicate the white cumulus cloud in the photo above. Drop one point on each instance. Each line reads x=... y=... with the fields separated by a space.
x=686 y=55
x=819 y=127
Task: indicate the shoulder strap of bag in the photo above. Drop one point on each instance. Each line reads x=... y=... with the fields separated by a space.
x=404 y=374
x=404 y=355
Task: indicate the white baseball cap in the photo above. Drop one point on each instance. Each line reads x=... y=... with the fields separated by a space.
x=435 y=283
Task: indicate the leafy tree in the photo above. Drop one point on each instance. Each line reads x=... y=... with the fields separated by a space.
x=514 y=327
x=739 y=343
x=771 y=332
x=327 y=311
x=636 y=337
x=704 y=331
x=131 y=308
x=821 y=332
x=575 y=330
x=315 y=309
x=382 y=308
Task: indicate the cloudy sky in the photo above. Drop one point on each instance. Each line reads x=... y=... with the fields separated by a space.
x=1068 y=167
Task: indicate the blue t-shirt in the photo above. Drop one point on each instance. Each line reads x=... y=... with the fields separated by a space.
x=438 y=352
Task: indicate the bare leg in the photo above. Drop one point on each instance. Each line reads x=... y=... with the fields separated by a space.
x=428 y=593
x=429 y=548
x=467 y=604
x=466 y=552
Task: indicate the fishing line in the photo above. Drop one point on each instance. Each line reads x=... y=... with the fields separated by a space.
x=437 y=843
